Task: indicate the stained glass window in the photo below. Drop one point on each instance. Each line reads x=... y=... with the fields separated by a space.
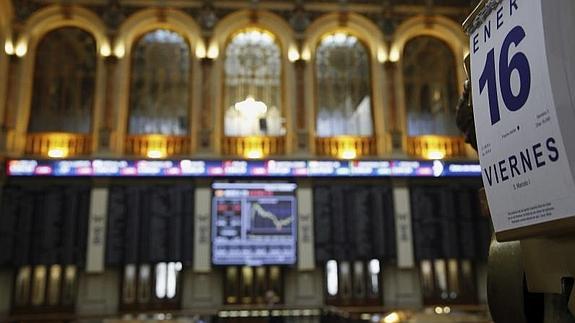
x=159 y=91
x=430 y=87
x=252 y=85
x=343 y=87
x=64 y=81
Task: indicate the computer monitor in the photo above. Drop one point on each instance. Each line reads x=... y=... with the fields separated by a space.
x=254 y=223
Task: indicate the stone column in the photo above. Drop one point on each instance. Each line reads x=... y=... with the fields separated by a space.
x=394 y=122
x=205 y=132
x=9 y=103
x=98 y=287
x=401 y=284
x=305 y=237
x=108 y=113
x=4 y=76
x=202 y=230
x=302 y=134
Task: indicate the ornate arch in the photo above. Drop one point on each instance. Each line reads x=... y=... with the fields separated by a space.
x=372 y=37
x=356 y=24
x=245 y=18
x=439 y=27
x=283 y=32
x=147 y=20
x=136 y=25
x=40 y=23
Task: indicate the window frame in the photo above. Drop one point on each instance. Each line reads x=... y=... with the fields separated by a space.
x=282 y=78
x=313 y=63
x=190 y=81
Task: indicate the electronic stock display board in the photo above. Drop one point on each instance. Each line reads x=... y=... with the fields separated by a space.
x=254 y=223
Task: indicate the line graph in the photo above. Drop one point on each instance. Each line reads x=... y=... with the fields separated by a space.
x=271 y=218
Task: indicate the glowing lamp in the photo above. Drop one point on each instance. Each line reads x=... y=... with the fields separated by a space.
x=201 y=51
x=105 y=50
x=394 y=55
x=213 y=51
x=306 y=54
x=365 y=316
x=254 y=154
x=435 y=154
x=58 y=152
x=155 y=153
x=348 y=153
x=381 y=55
x=293 y=54
x=119 y=50
x=250 y=106
x=9 y=47
x=21 y=49
x=392 y=317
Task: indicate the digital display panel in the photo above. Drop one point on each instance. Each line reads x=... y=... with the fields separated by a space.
x=242 y=168
x=254 y=224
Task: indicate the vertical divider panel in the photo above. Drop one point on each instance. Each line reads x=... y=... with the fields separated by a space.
x=96 y=246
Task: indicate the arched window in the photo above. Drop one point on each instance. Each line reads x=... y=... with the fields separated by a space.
x=64 y=82
x=430 y=87
x=159 y=90
x=343 y=88
x=252 y=85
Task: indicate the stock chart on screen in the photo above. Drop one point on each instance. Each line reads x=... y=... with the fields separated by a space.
x=253 y=223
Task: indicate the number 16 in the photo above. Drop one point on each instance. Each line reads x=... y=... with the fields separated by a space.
x=518 y=62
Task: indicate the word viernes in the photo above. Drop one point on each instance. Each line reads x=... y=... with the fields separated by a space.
x=525 y=161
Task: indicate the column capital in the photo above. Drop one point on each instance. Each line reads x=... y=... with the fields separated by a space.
x=111 y=60
x=207 y=61
x=300 y=62
x=390 y=64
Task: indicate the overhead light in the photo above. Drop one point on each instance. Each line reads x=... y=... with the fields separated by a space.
x=119 y=50
x=250 y=106
x=58 y=152
x=105 y=50
x=155 y=153
x=254 y=154
x=306 y=54
x=374 y=267
x=381 y=55
x=21 y=49
x=437 y=168
x=394 y=55
x=293 y=54
x=213 y=51
x=392 y=317
x=201 y=51
x=365 y=316
x=349 y=153
x=435 y=154
x=9 y=47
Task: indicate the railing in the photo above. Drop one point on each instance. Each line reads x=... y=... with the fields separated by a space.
x=157 y=146
x=436 y=147
x=58 y=145
x=345 y=146
x=254 y=147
